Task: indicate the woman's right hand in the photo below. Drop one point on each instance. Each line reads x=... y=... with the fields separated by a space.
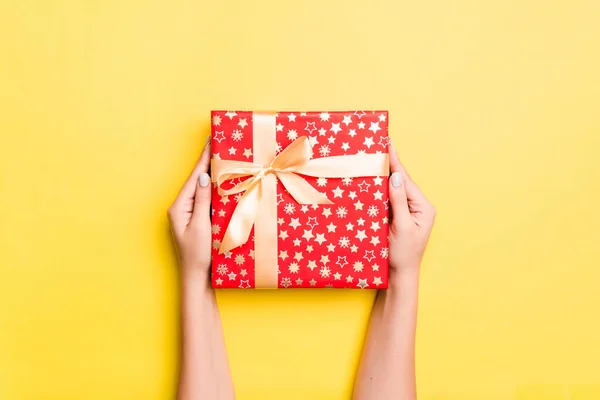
x=412 y=219
x=190 y=218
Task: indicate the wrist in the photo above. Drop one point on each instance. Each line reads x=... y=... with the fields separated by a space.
x=194 y=273
x=404 y=277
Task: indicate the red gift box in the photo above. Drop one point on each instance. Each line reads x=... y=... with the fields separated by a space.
x=285 y=218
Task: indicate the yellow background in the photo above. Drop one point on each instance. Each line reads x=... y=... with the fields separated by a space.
x=104 y=107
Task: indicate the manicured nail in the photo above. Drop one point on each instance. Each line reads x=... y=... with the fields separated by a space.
x=204 y=179
x=396 y=179
x=208 y=140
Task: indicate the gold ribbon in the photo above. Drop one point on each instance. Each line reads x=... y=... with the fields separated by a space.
x=258 y=205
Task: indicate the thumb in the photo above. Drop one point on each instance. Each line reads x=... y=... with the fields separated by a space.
x=201 y=199
x=398 y=200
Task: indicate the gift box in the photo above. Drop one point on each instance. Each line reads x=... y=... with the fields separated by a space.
x=300 y=199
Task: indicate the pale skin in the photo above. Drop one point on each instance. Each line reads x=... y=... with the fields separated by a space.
x=387 y=366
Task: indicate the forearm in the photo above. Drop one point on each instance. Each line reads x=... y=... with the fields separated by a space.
x=204 y=370
x=387 y=368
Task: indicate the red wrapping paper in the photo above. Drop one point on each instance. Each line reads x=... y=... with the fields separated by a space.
x=342 y=245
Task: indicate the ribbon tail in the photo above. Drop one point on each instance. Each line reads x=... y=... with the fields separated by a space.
x=242 y=219
x=301 y=190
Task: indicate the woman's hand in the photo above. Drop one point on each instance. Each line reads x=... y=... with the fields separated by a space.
x=387 y=367
x=412 y=219
x=190 y=218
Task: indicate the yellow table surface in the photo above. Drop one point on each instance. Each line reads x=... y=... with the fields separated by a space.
x=104 y=107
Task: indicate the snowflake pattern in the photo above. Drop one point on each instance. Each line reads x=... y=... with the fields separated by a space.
x=290 y=208
x=373 y=211
x=324 y=150
x=237 y=135
x=341 y=245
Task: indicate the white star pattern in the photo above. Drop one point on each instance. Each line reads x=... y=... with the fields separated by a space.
x=335 y=128
x=295 y=222
x=374 y=127
x=364 y=186
x=219 y=136
x=308 y=234
x=337 y=192
x=320 y=238
x=242 y=123
x=341 y=261
x=310 y=127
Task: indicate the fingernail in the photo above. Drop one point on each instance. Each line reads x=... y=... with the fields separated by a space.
x=208 y=140
x=204 y=179
x=396 y=179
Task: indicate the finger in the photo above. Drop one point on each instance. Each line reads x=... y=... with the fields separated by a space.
x=417 y=201
x=412 y=190
x=398 y=200
x=395 y=164
x=188 y=190
x=201 y=212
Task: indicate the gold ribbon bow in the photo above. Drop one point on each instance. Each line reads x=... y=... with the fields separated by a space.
x=258 y=205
